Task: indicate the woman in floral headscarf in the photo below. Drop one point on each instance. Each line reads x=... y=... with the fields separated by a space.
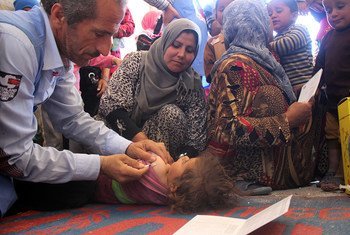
x=265 y=136
x=156 y=94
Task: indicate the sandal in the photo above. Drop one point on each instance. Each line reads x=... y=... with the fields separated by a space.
x=252 y=188
x=330 y=182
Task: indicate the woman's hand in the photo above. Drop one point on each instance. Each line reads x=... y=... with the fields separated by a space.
x=299 y=113
x=139 y=136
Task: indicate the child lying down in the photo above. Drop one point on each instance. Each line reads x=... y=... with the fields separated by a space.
x=187 y=185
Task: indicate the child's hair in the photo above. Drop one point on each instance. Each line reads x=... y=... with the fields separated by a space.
x=204 y=188
x=291 y=4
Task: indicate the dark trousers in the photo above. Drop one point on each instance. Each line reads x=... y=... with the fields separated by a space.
x=46 y=197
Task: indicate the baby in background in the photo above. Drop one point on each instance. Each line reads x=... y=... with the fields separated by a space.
x=187 y=185
x=292 y=43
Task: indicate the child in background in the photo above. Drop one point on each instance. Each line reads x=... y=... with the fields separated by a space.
x=215 y=46
x=317 y=11
x=334 y=58
x=126 y=29
x=149 y=23
x=187 y=185
x=292 y=42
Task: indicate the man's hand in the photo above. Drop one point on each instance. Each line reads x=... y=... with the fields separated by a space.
x=169 y=14
x=122 y=168
x=144 y=149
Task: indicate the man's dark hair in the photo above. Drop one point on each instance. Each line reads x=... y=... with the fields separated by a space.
x=76 y=10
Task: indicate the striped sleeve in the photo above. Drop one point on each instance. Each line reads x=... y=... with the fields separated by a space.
x=294 y=39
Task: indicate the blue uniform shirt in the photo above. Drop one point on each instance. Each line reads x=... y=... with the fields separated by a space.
x=20 y=93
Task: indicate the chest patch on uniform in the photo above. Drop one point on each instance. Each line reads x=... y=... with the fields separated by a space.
x=9 y=85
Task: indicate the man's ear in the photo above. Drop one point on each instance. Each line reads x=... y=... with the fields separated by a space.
x=56 y=17
x=173 y=188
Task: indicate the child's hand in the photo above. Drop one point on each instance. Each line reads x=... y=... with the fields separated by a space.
x=117 y=61
x=101 y=87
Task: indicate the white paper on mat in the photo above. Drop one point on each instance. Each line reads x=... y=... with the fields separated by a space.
x=213 y=225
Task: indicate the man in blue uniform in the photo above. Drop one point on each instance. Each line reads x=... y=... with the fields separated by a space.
x=37 y=48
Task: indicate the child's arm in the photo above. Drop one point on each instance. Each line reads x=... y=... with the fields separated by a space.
x=296 y=38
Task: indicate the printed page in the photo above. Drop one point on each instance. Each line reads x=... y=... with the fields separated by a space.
x=309 y=89
x=265 y=216
x=210 y=225
x=213 y=225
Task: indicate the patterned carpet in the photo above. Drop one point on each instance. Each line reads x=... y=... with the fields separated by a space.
x=325 y=215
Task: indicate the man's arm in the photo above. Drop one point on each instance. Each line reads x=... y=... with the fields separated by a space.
x=20 y=157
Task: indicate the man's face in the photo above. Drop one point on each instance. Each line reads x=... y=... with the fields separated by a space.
x=338 y=13
x=87 y=39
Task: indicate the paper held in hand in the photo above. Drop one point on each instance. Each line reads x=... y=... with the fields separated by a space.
x=210 y=224
x=309 y=89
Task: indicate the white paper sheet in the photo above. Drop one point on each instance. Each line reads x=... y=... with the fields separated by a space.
x=213 y=225
x=309 y=88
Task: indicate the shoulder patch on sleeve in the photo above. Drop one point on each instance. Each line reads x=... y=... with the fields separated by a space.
x=9 y=85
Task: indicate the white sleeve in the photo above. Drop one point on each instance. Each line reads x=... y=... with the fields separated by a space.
x=68 y=117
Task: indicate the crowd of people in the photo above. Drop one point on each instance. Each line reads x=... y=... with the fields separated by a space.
x=141 y=130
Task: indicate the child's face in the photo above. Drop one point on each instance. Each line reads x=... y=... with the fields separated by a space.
x=178 y=168
x=281 y=15
x=221 y=5
x=338 y=13
x=168 y=173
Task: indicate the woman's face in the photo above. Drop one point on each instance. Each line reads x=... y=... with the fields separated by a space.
x=181 y=53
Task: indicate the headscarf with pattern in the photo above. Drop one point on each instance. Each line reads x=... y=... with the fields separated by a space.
x=159 y=86
x=246 y=27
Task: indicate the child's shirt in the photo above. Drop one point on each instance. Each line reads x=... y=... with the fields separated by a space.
x=147 y=190
x=334 y=58
x=294 y=47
